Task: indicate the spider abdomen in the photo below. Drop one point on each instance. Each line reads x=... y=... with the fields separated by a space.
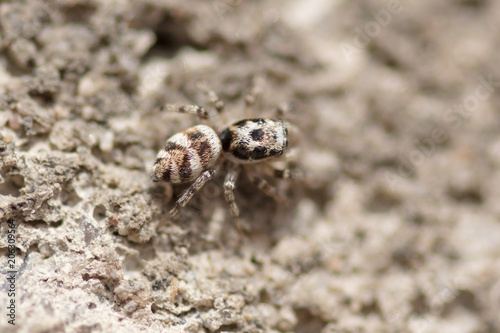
x=254 y=140
x=186 y=155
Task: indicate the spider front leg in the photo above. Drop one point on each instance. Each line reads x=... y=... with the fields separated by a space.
x=251 y=97
x=265 y=187
x=282 y=111
x=229 y=185
x=192 y=109
x=294 y=173
x=188 y=194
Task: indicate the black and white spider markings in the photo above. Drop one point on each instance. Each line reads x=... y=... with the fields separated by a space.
x=194 y=155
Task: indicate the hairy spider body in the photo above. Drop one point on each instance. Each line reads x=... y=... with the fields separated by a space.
x=194 y=154
x=186 y=155
x=254 y=140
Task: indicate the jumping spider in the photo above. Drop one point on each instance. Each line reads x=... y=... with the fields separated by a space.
x=194 y=155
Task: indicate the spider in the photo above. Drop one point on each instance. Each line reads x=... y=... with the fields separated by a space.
x=195 y=154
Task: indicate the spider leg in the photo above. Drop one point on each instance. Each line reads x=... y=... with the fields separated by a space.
x=251 y=97
x=229 y=185
x=293 y=173
x=212 y=97
x=192 y=109
x=282 y=111
x=188 y=194
x=265 y=187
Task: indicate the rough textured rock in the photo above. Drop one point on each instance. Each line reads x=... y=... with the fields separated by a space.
x=395 y=230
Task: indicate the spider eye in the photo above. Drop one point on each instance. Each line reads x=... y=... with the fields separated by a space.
x=259 y=153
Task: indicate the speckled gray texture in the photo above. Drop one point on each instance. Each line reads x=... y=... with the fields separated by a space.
x=396 y=229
